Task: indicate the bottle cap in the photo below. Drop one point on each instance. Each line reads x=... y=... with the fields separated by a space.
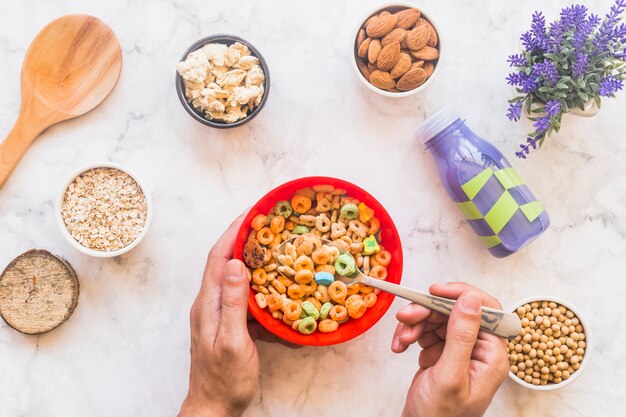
x=437 y=123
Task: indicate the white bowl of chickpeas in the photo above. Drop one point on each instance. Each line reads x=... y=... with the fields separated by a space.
x=552 y=349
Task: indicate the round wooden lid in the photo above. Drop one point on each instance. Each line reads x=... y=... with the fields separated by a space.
x=38 y=292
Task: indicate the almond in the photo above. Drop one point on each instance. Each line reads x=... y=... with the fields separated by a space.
x=360 y=37
x=381 y=26
x=402 y=66
x=363 y=48
x=373 y=51
x=427 y=53
x=370 y=20
x=365 y=71
x=388 y=56
x=418 y=37
x=412 y=79
x=417 y=64
x=407 y=18
x=396 y=35
x=429 y=67
x=371 y=67
x=382 y=80
x=433 y=40
x=385 y=13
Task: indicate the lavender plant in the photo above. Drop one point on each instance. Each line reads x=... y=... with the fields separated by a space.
x=577 y=58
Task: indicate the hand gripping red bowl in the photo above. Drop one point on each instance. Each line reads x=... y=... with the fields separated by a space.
x=389 y=239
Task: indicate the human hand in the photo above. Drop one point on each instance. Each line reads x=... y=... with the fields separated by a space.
x=224 y=375
x=460 y=368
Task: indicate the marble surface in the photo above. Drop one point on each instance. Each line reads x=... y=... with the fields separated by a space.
x=124 y=352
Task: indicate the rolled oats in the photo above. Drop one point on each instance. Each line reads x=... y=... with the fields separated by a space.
x=104 y=209
x=224 y=82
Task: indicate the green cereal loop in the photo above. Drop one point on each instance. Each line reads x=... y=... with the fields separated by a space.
x=325 y=310
x=345 y=265
x=307 y=325
x=283 y=208
x=303 y=314
x=349 y=211
x=310 y=310
x=300 y=230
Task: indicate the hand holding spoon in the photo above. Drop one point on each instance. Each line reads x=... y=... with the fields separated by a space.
x=71 y=66
x=493 y=321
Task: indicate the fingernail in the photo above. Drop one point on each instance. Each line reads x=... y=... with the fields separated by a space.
x=470 y=303
x=234 y=271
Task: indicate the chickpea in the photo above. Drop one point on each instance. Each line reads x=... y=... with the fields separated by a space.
x=514 y=369
x=521 y=311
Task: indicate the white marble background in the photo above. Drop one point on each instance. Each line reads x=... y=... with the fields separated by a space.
x=125 y=350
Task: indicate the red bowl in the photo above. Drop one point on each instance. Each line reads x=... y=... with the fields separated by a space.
x=389 y=239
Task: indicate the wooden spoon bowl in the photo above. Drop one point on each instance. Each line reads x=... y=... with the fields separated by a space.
x=70 y=68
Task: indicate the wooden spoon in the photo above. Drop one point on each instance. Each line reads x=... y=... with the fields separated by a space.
x=70 y=67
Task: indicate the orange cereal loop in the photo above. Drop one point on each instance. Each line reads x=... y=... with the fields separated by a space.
x=366 y=289
x=338 y=313
x=304 y=276
x=295 y=291
x=259 y=276
x=356 y=306
x=328 y=326
x=370 y=299
x=292 y=310
x=274 y=302
x=320 y=256
x=289 y=225
x=265 y=236
x=301 y=204
x=374 y=224
x=309 y=288
x=303 y=262
x=383 y=258
x=277 y=224
x=353 y=289
x=379 y=272
x=337 y=291
x=258 y=222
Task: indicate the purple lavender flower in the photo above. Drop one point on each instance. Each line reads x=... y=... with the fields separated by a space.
x=516 y=60
x=553 y=107
x=608 y=28
x=580 y=65
x=515 y=111
x=528 y=83
x=528 y=41
x=525 y=148
x=609 y=85
x=542 y=124
x=514 y=79
x=547 y=70
x=538 y=31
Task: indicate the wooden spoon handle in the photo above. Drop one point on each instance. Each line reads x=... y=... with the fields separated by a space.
x=15 y=146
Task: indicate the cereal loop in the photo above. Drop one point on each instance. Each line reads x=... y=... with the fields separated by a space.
x=295 y=291
x=320 y=256
x=328 y=326
x=304 y=262
x=370 y=299
x=374 y=224
x=301 y=204
x=353 y=288
x=277 y=224
x=383 y=258
x=265 y=236
x=309 y=288
x=304 y=276
x=338 y=313
x=356 y=306
x=338 y=292
x=258 y=222
x=379 y=272
x=292 y=310
x=274 y=302
x=259 y=276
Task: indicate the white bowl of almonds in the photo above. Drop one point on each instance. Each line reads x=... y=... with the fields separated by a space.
x=104 y=210
x=397 y=50
x=552 y=349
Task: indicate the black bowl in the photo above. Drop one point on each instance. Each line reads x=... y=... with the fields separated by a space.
x=226 y=40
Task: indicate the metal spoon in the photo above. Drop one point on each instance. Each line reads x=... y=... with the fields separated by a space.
x=493 y=321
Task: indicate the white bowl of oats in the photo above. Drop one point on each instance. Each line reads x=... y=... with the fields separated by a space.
x=222 y=81
x=104 y=210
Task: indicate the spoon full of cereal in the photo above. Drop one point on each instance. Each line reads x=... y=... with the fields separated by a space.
x=347 y=274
